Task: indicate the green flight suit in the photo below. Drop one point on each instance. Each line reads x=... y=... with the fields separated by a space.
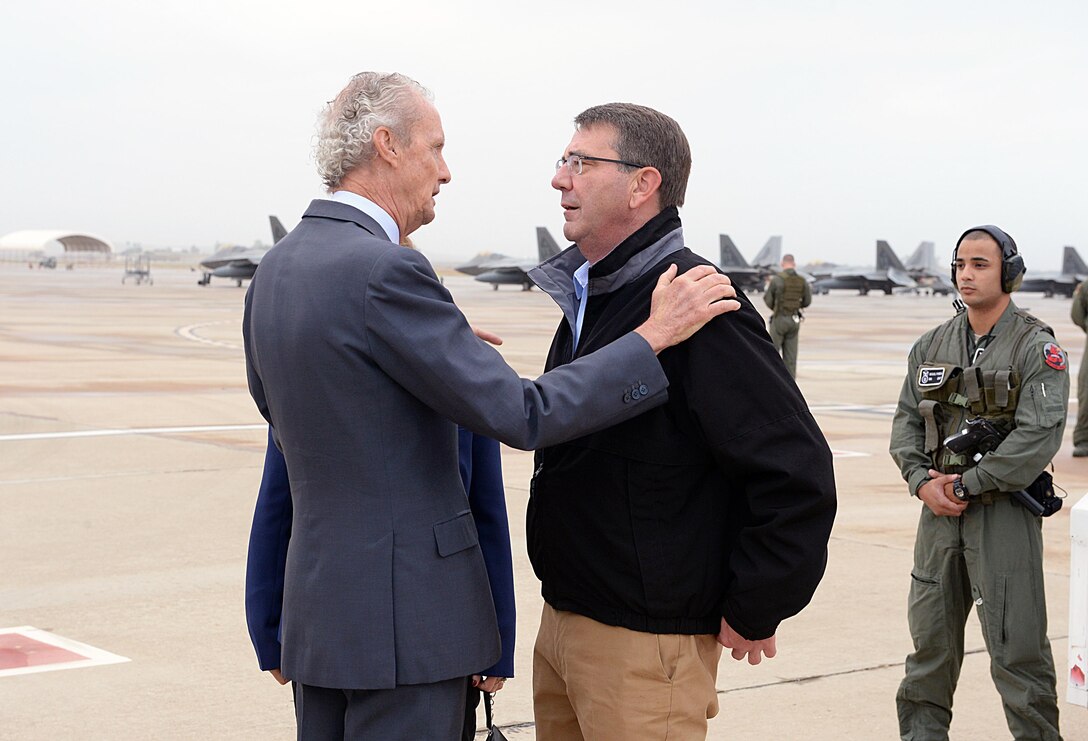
x=787 y=294
x=1079 y=314
x=992 y=554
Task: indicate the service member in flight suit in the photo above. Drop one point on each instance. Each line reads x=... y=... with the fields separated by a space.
x=786 y=295
x=975 y=543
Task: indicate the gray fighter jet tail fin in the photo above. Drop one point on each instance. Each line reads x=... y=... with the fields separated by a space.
x=923 y=258
x=886 y=259
x=278 y=232
x=730 y=255
x=771 y=254
x=545 y=244
x=1072 y=264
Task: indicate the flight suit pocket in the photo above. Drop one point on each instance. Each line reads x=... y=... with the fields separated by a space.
x=1047 y=405
x=926 y=609
x=1016 y=619
x=456 y=534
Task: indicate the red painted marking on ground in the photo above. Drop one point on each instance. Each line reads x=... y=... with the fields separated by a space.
x=16 y=650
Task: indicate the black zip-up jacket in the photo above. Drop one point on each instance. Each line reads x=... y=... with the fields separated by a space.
x=719 y=503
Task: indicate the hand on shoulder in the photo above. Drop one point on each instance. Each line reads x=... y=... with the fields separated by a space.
x=681 y=305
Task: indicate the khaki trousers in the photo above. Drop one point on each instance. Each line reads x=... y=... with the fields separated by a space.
x=597 y=682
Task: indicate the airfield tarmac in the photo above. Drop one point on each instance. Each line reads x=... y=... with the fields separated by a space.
x=130 y=455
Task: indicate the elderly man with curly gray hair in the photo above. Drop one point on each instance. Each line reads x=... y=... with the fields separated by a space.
x=362 y=364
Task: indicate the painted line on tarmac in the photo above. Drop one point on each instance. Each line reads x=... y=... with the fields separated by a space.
x=27 y=650
x=188 y=332
x=119 y=474
x=881 y=409
x=848 y=454
x=845 y=672
x=128 y=431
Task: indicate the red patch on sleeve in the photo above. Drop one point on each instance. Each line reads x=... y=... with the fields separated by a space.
x=1054 y=356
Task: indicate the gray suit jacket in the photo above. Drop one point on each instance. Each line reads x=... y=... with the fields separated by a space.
x=360 y=360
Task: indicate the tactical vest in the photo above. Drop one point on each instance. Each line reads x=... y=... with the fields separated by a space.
x=793 y=291
x=951 y=394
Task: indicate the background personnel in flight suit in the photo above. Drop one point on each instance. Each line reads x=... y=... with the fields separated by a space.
x=1079 y=314
x=975 y=543
x=787 y=294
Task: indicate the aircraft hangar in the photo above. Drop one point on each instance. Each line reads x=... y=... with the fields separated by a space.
x=53 y=243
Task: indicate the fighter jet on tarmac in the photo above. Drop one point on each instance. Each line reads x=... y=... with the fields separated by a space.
x=888 y=275
x=499 y=270
x=239 y=263
x=750 y=278
x=1064 y=283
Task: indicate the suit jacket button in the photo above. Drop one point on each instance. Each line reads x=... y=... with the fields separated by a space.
x=635 y=395
x=643 y=390
x=626 y=396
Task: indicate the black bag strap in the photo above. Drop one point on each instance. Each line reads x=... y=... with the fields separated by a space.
x=493 y=733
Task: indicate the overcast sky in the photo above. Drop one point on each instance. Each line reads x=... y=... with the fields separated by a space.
x=833 y=124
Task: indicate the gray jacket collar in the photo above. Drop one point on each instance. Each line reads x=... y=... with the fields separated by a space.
x=326 y=209
x=556 y=276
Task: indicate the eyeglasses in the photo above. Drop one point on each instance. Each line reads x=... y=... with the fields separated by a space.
x=574 y=163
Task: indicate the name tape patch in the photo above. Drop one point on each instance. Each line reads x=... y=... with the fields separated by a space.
x=928 y=377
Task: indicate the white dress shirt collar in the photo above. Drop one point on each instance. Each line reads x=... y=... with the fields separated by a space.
x=371 y=209
x=581 y=292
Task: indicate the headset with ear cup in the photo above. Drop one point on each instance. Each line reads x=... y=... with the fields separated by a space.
x=1012 y=264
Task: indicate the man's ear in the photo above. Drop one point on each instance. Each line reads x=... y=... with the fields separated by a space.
x=645 y=186
x=385 y=145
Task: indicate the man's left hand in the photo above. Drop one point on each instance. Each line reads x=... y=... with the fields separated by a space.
x=741 y=646
x=491 y=684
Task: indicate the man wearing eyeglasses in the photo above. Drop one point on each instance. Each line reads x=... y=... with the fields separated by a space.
x=700 y=524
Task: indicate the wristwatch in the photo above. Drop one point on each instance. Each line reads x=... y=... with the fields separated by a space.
x=960 y=490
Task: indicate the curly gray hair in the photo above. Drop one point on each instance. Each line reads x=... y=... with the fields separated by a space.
x=345 y=128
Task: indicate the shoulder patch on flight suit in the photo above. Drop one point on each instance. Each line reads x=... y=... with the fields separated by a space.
x=1054 y=356
x=930 y=377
